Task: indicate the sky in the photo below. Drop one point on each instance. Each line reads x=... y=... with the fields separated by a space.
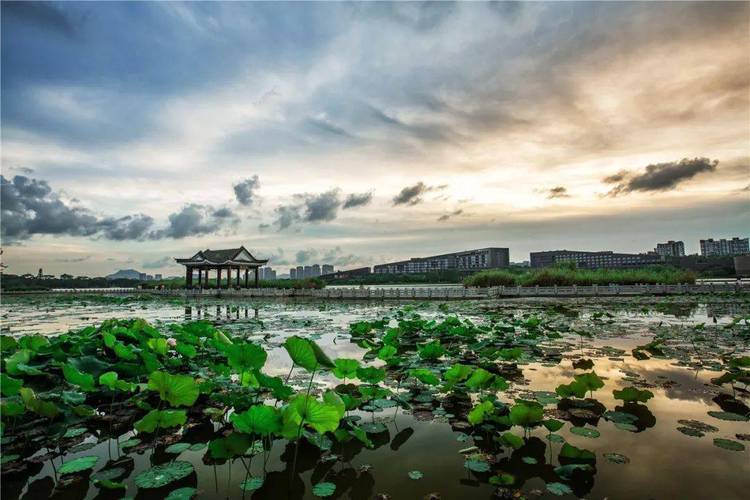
x=362 y=133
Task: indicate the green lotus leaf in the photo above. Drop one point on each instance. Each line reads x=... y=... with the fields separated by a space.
x=480 y=412
x=559 y=489
x=503 y=479
x=234 y=445
x=160 y=419
x=415 y=474
x=425 y=375
x=259 y=419
x=307 y=354
x=553 y=425
x=185 y=493
x=480 y=379
x=526 y=413
x=178 y=390
x=431 y=350
x=729 y=444
x=477 y=465
x=345 y=368
x=585 y=432
x=324 y=489
x=76 y=377
x=108 y=484
x=78 y=465
x=74 y=432
x=566 y=471
x=11 y=408
x=370 y=374
x=321 y=416
x=162 y=475
x=632 y=394
x=727 y=415
x=246 y=356
x=511 y=440
x=573 y=453
x=40 y=406
x=177 y=448
x=458 y=373
x=276 y=385
x=124 y=351
x=387 y=352
x=20 y=357
x=129 y=443
x=108 y=379
x=252 y=483
x=159 y=346
x=9 y=386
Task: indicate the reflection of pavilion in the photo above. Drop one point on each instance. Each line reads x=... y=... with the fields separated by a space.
x=230 y=311
x=230 y=259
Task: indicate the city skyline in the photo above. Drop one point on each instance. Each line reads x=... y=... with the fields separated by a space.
x=317 y=138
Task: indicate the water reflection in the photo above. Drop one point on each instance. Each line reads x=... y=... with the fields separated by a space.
x=227 y=311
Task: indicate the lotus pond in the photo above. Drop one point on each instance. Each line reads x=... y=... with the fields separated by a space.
x=112 y=397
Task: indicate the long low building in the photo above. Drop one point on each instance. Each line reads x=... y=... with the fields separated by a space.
x=482 y=258
x=594 y=260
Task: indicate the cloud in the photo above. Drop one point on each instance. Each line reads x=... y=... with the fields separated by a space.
x=412 y=195
x=660 y=176
x=30 y=206
x=223 y=213
x=357 y=200
x=321 y=207
x=305 y=256
x=245 y=190
x=558 y=192
x=193 y=220
x=159 y=263
x=445 y=217
x=334 y=256
x=71 y=260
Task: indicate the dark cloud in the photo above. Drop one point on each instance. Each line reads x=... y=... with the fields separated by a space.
x=193 y=220
x=42 y=14
x=357 y=200
x=305 y=256
x=614 y=178
x=558 y=192
x=245 y=191
x=412 y=195
x=30 y=206
x=661 y=176
x=74 y=259
x=159 y=263
x=323 y=206
x=445 y=217
x=223 y=213
x=334 y=256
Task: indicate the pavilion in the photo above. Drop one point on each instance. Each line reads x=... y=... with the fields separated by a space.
x=230 y=259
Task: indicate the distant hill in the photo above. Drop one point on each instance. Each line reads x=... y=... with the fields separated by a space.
x=128 y=274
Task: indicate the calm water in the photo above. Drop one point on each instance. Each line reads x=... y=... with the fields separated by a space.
x=662 y=462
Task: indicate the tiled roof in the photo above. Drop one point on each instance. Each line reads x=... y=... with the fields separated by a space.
x=221 y=255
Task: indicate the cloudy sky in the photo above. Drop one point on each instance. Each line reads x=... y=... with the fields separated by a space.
x=356 y=134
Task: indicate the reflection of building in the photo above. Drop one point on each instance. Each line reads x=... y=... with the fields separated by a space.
x=350 y=273
x=671 y=249
x=483 y=258
x=735 y=246
x=326 y=269
x=593 y=260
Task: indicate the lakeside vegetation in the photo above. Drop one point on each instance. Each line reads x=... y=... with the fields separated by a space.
x=568 y=275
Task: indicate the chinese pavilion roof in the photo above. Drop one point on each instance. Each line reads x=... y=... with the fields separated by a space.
x=229 y=256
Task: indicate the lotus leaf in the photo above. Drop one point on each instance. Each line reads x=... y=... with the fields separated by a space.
x=259 y=419
x=162 y=475
x=78 y=465
x=178 y=390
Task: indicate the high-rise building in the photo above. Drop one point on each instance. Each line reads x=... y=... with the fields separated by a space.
x=307 y=272
x=735 y=246
x=314 y=270
x=300 y=272
x=293 y=274
x=483 y=258
x=671 y=249
x=157 y=277
x=593 y=260
x=326 y=269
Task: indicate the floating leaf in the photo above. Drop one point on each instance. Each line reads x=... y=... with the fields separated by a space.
x=162 y=475
x=727 y=415
x=559 y=489
x=177 y=448
x=585 y=432
x=185 y=493
x=632 y=394
x=529 y=460
x=573 y=453
x=130 y=443
x=78 y=465
x=324 y=489
x=729 y=444
x=252 y=483
x=415 y=474
x=477 y=465
x=617 y=458
x=74 y=432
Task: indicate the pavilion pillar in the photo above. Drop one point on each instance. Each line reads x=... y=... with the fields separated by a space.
x=256 y=277
x=246 y=278
x=237 y=281
x=229 y=278
x=200 y=277
x=218 y=277
x=188 y=277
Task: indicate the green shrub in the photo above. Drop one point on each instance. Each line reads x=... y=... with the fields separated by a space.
x=568 y=275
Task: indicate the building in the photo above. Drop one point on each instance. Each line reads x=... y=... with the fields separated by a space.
x=307 y=272
x=315 y=270
x=300 y=272
x=735 y=246
x=230 y=259
x=593 y=260
x=157 y=277
x=671 y=249
x=350 y=273
x=483 y=258
x=66 y=276
x=293 y=274
x=40 y=273
x=326 y=269
x=267 y=273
